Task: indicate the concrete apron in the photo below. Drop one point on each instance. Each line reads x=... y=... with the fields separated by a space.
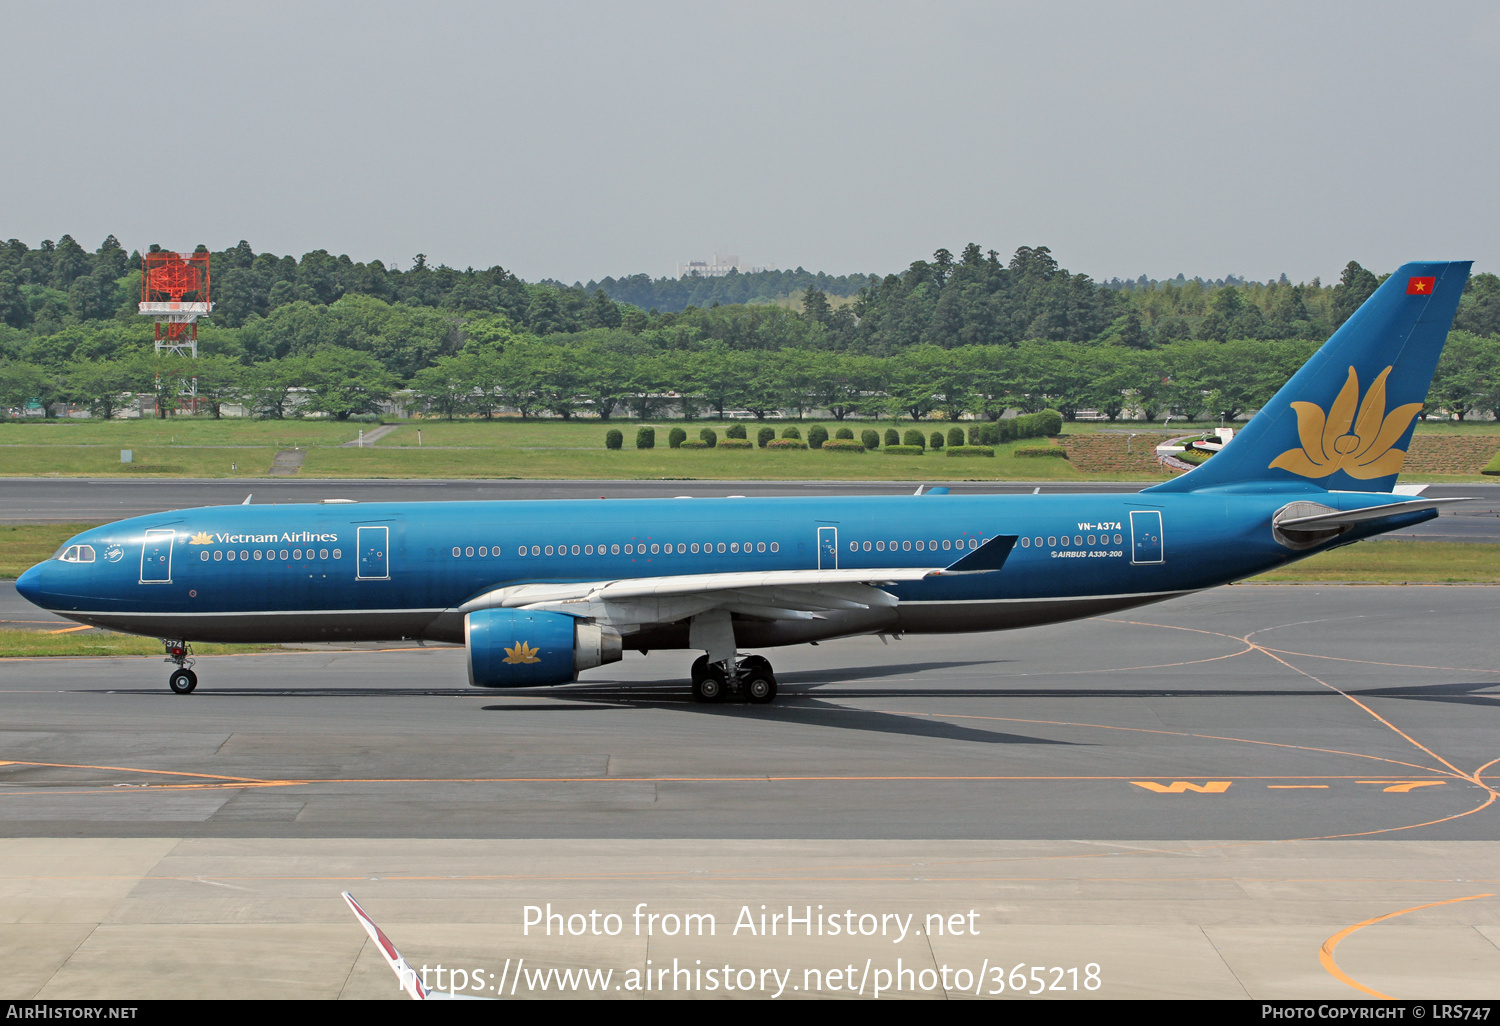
x=260 y=918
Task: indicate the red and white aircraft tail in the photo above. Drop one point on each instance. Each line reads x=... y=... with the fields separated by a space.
x=410 y=981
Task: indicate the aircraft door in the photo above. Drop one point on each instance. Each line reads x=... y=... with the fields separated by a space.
x=828 y=548
x=156 y=556
x=374 y=554
x=1145 y=536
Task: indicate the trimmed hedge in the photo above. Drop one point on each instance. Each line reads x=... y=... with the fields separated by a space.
x=844 y=433
x=816 y=436
x=676 y=437
x=736 y=443
x=613 y=439
x=790 y=432
x=694 y=443
x=892 y=436
x=971 y=450
x=842 y=445
x=1039 y=425
x=1003 y=432
x=903 y=450
x=764 y=435
x=787 y=443
x=914 y=437
x=710 y=437
x=735 y=431
x=955 y=436
x=1056 y=452
x=871 y=438
x=645 y=438
x=937 y=441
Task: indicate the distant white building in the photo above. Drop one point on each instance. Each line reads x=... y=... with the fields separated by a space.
x=723 y=263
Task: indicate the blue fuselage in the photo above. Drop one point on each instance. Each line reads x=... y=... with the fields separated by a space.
x=386 y=571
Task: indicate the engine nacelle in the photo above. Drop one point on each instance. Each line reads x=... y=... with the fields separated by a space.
x=516 y=648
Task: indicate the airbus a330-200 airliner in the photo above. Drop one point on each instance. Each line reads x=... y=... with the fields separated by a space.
x=541 y=590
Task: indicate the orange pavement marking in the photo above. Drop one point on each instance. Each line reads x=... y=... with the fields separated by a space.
x=1325 y=953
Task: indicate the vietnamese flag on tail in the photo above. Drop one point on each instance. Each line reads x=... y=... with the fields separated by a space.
x=1420 y=286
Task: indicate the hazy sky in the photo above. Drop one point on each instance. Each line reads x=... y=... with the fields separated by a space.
x=577 y=140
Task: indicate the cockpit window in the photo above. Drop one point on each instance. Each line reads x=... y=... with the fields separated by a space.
x=77 y=554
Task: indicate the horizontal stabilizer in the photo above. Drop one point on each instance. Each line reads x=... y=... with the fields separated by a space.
x=986 y=559
x=1348 y=518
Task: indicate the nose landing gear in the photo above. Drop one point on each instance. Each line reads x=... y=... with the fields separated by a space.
x=752 y=678
x=183 y=680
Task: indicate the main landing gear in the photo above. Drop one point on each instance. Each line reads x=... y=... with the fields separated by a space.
x=183 y=679
x=752 y=678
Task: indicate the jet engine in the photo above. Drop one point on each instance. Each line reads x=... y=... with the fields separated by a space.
x=516 y=648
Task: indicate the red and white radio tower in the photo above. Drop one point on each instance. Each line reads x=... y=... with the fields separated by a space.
x=175 y=292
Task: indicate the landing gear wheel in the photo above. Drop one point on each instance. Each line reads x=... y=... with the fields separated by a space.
x=183 y=682
x=710 y=682
x=710 y=687
x=760 y=688
x=755 y=664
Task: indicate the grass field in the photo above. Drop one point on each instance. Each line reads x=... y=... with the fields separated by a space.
x=1386 y=561
x=547 y=448
x=151 y=461
x=127 y=434
x=15 y=644
x=28 y=544
x=510 y=457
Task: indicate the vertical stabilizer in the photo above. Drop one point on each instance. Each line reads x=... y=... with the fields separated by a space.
x=1343 y=422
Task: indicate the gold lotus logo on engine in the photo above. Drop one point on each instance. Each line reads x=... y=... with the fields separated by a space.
x=201 y=538
x=522 y=653
x=1359 y=445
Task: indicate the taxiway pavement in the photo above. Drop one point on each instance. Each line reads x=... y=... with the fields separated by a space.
x=1289 y=705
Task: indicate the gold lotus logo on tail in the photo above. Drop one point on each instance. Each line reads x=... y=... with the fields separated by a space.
x=1359 y=445
x=201 y=538
x=522 y=653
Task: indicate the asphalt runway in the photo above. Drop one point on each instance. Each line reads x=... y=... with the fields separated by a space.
x=102 y=500
x=1293 y=712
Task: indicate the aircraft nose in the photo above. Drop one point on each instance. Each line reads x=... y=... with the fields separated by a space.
x=29 y=585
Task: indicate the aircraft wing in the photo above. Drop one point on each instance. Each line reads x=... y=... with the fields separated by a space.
x=774 y=594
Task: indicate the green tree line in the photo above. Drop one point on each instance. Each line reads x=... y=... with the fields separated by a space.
x=69 y=327
x=608 y=373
